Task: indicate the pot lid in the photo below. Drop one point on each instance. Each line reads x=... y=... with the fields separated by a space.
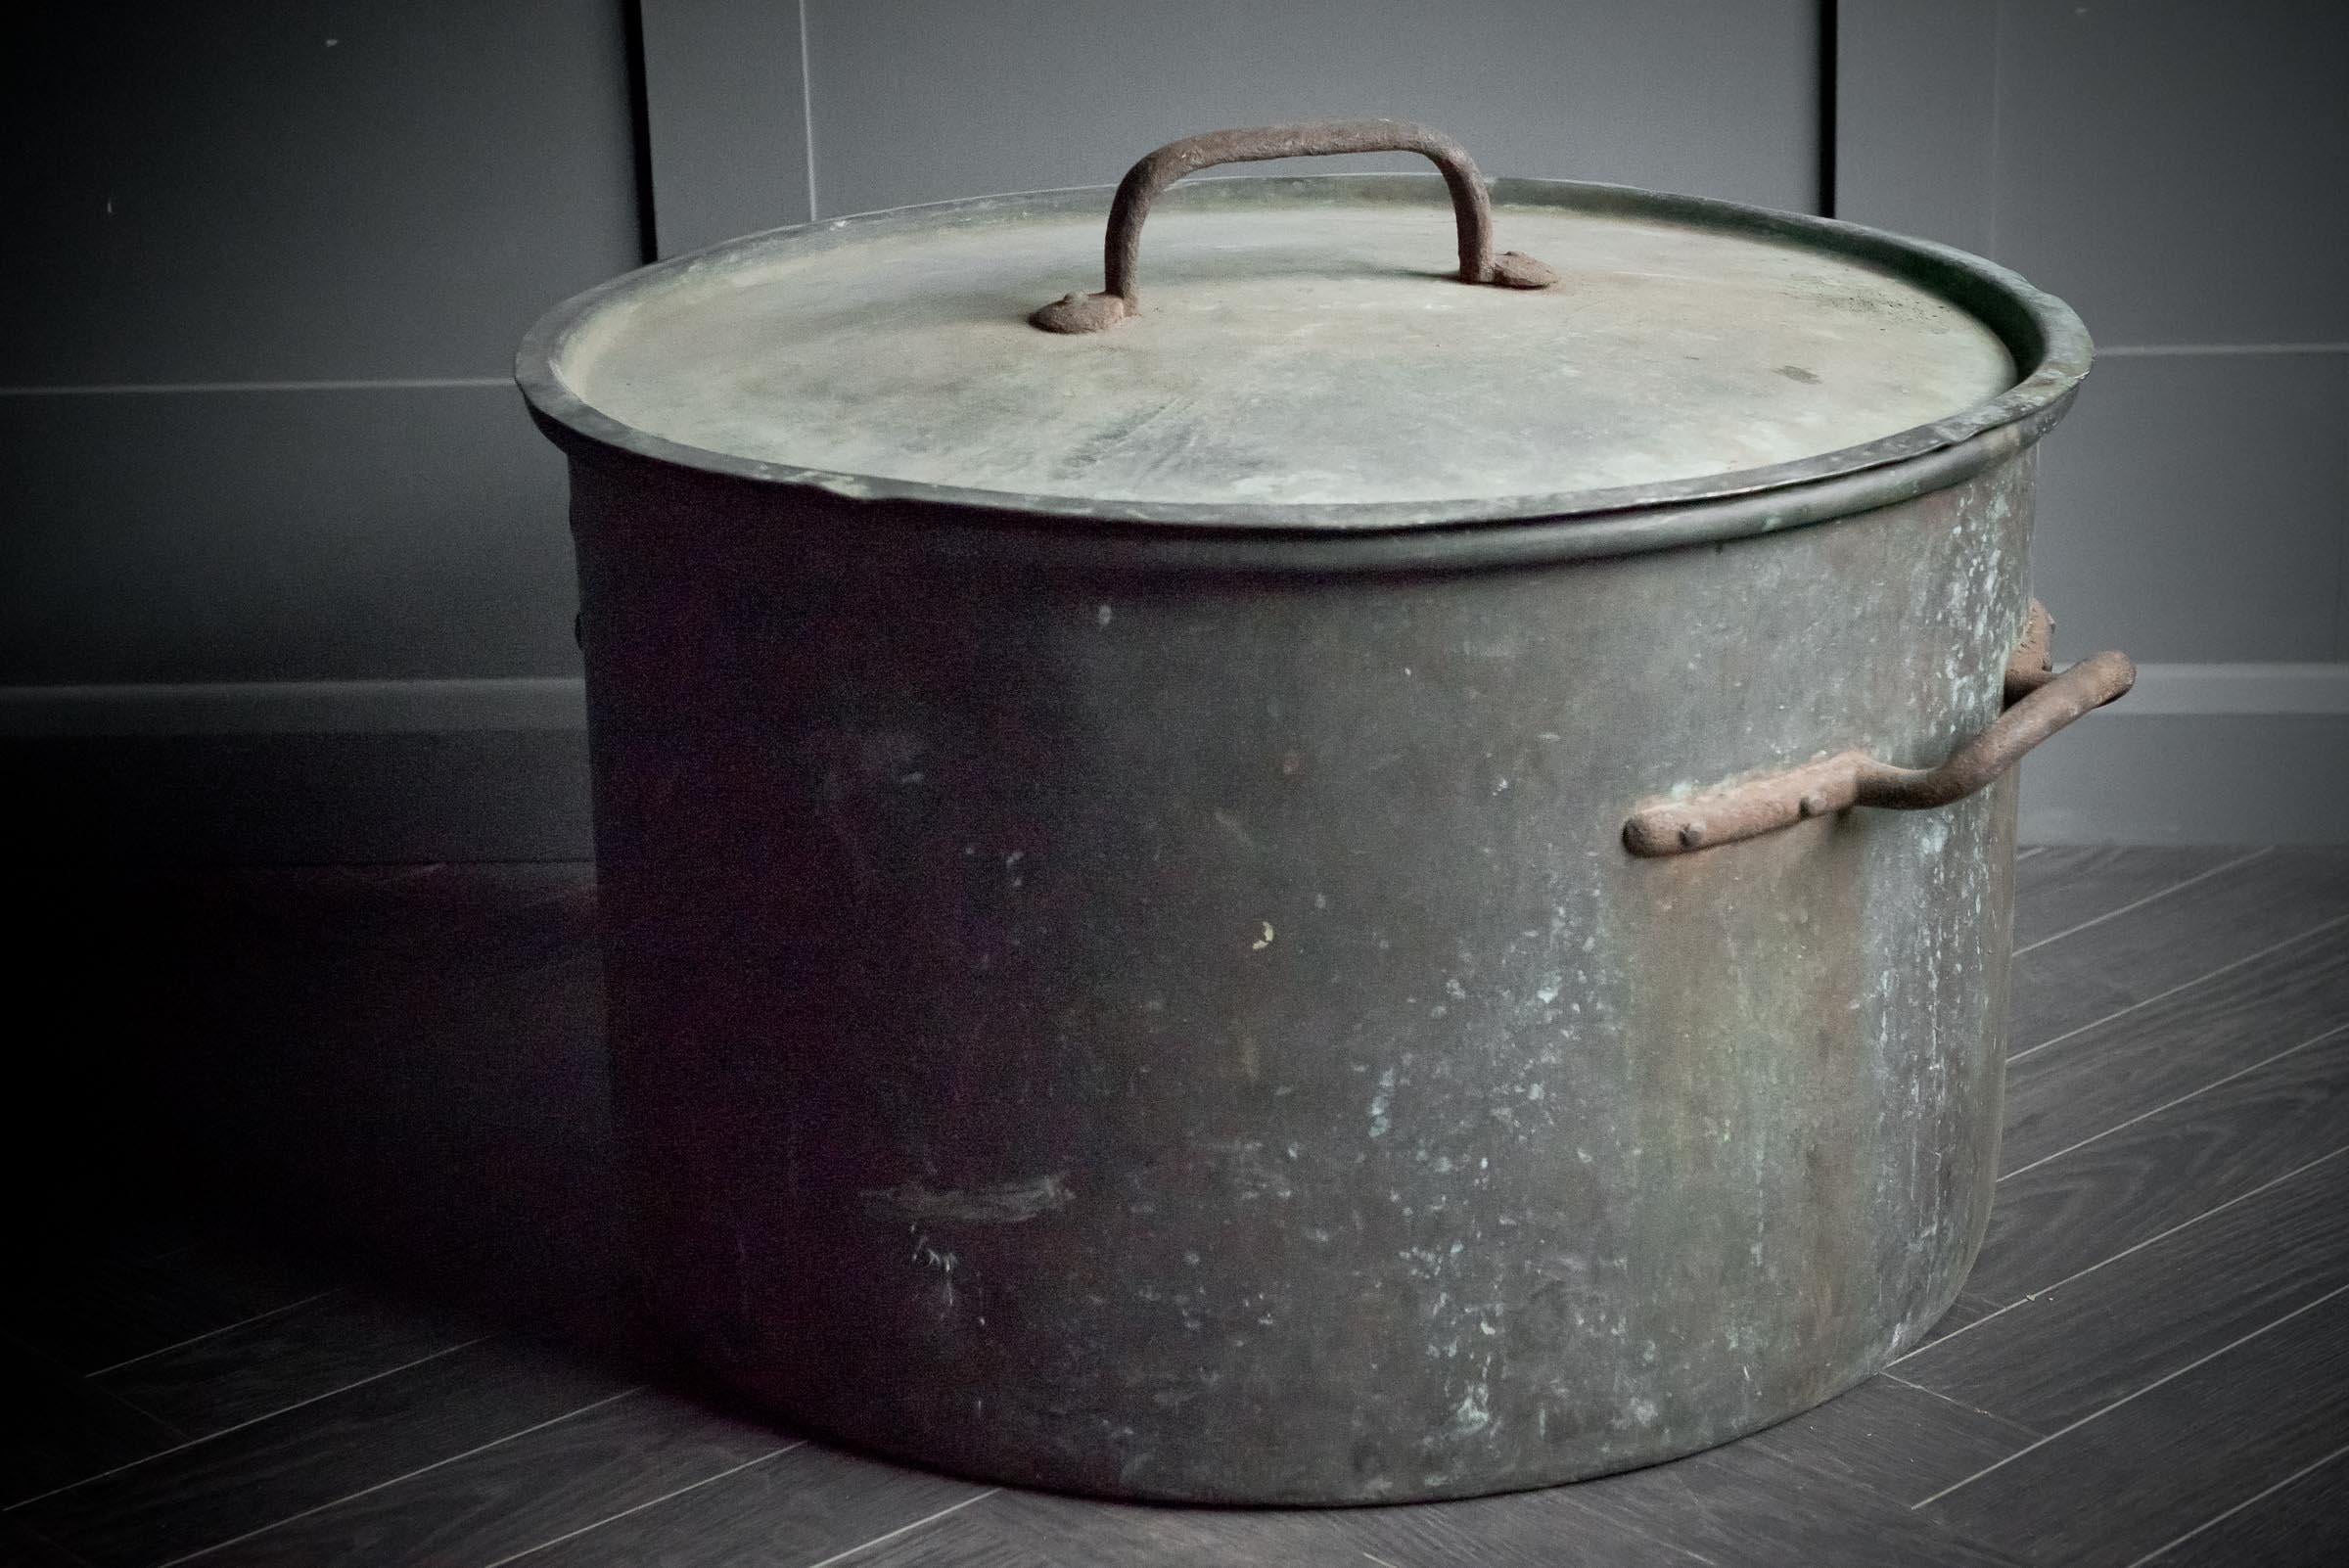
x=1303 y=352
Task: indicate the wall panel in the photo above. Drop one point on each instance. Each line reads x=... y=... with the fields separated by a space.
x=926 y=100
x=304 y=189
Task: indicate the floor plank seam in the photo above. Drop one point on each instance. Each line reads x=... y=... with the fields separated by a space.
x=2140 y=904
x=649 y=1502
x=181 y=1436
x=2169 y=1105
x=2023 y=1427
x=2077 y=1274
x=215 y=1333
x=2184 y=984
x=65 y=1374
x=177 y=1249
x=64 y=1553
x=267 y=1416
x=901 y=1530
x=2226 y=1514
x=1633 y=1522
x=2134 y=1394
x=422 y=1469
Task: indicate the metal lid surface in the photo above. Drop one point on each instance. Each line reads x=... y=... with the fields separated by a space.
x=1304 y=355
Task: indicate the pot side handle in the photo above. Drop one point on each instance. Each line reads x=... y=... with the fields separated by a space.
x=2039 y=703
x=1120 y=295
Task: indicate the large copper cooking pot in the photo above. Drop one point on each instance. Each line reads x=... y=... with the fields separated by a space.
x=1355 y=867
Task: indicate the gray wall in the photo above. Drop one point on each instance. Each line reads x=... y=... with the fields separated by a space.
x=2179 y=172
x=268 y=264
x=287 y=575
x=274 y=510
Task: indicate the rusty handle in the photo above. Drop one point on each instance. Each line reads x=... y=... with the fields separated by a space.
x=1121 y=298
x=2040 y=702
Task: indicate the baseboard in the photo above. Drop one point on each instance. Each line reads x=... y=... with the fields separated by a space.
x=2192 y=778
x=299 y=799
x=294 y=708
x=2201 y=753
x=298 y=772
x=2238 y=690
x=325 y=771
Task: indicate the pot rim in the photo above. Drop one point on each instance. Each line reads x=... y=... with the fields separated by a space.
x=2050 y=345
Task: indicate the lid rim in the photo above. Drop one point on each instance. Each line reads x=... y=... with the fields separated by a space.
x=2042 y=334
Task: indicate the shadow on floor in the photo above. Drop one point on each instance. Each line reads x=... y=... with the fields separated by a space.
x=399 y=1068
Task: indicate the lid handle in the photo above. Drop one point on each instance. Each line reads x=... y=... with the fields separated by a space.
x=1121 y=297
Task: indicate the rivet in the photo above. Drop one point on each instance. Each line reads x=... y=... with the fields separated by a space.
x=1693 y=834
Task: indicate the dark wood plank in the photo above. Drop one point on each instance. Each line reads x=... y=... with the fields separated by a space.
x=231 y=1377
x=59 y=1428
x=2075 y=1349
x=2057 y=1218
x=802 y=1506
x=1525 y=1530
x=1056 y=1532
x=2302 y=1520
x=1733 y=1506
x=2144 y=1471
x=193 y=1498
x=1851 y=1460
x=499 y=1502
x=22 y=1548
x=1889 y=1436
x=114 y=1308
x=1035 y=1530
x=965 y=1539
x=2113 y=1071
x=2059 y=888
x=2122 y=962
x=1521 y=1530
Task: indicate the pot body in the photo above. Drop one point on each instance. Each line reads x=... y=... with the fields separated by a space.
x=1199 y=1035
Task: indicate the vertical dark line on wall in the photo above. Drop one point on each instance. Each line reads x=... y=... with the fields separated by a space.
x=1990 y=172
x=1826 y=108
x=640 y=131
x=808 y=109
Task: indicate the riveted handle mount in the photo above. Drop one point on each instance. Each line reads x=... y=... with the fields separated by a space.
x=2040 y=701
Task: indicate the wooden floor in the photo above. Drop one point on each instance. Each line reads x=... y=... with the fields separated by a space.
x=431 y=1359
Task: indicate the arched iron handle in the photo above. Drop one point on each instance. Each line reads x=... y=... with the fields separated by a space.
x=1121 y=297
x=2038 y=704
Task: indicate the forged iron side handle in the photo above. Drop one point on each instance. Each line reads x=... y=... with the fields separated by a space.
x=2040 y=702
x=1120 y=295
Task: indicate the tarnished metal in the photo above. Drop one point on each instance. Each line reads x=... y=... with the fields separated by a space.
x=2040 y=703
x=1121 y=294
x=1145 y=993
x=1173 y=1036
x=2033 y=663
x=885 y=358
